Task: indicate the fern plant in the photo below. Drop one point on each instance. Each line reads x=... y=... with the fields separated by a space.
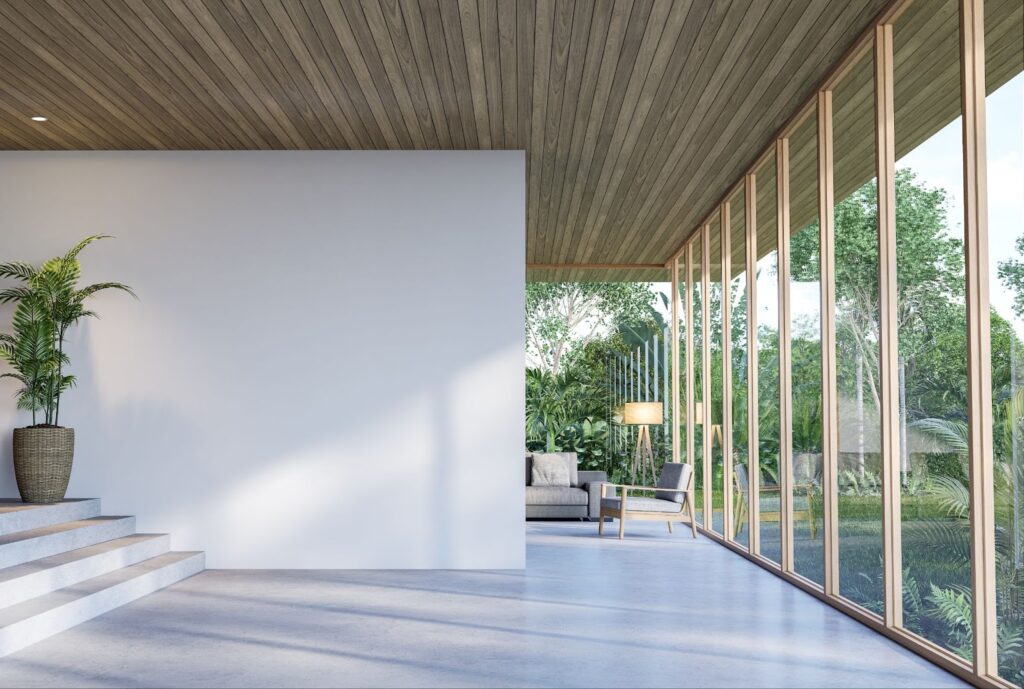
x=48 y=303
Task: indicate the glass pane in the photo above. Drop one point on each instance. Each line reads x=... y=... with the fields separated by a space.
x=696 y=296
x=932 y=325
x=767 y=287
x=857 y=371
x=1004 y=50
x=738 y=322
x=715 y=339
x=805 y=335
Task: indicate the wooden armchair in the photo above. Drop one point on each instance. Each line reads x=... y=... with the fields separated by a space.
x=803 y=502
x=672 y=501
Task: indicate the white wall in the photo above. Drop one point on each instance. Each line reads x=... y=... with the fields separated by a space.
x=324 y=367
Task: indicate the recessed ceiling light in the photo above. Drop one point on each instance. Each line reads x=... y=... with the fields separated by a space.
x=38 y=118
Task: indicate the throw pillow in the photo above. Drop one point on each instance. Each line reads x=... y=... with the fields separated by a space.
x=550 y=470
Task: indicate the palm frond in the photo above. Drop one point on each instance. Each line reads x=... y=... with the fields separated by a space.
x=952 y=433
x=101 y=286
x=77 y=249
x=952 y=494
x=17 y=269
x=14 y=294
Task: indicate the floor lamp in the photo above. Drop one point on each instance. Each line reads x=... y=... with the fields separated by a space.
x=643 y=414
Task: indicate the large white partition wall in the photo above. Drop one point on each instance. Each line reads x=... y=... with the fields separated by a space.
x=324 y=368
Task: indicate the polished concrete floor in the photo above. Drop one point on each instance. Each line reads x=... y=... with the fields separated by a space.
x=655 y=610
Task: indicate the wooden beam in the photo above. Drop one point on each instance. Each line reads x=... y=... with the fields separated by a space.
x=888 y=346
x=785 y=358
x=705 y=378
x=979 y=354
x=690 y=402
x=595 y=266
x=829 y=386
x=674 y=367
x=725 y=274
x=753 y=438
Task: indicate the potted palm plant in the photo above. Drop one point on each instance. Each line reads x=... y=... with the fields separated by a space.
x=48 y=302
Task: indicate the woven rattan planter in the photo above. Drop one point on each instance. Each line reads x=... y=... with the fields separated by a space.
x=42 y=462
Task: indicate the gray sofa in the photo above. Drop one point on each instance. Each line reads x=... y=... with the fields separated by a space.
x=580 y=500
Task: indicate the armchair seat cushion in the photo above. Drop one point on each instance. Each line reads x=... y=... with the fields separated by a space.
x=642 y=505
x=555 y=495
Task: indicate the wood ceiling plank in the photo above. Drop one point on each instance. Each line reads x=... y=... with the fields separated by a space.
x=469 y=20
x=31 y=77
x=322 y=41
x=571 y=18
x=199 y=68
x=146 y=68
x=200 y=24
x=668 y=219
x=60 y=133
x=688 y=85
x=614 y=41
x=23 y=136
x=673 y=47
x=525 y=41
x=189 y=85
x=487 y=11
x=431 y=121
x=617 y=120
x=249 y=48
x=635 y=114
x=599 y=26
x=433 y=30
x=543 y=48
x=299 y=38
x=705 y=80
x=142 y=88
x=447 y=127
x=781 y=106
x=508 y=59
x=347 y=46
x=451 y=29
x=70 y=60
x=266 y=42
x=386 y=73
x=707 y=83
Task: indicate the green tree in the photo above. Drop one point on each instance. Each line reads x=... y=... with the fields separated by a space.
x=1011 y=274
x=562 y=317
x=930 y=293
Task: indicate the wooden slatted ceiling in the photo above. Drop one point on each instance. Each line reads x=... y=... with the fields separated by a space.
x=635 y=114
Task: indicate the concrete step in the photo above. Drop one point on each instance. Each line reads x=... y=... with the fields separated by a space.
x=25 y=546
x=34 y=620
x=39 y=577
x=16 y=515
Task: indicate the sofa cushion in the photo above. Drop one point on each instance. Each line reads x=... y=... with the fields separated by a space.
x=570 y=462
x=549 y=470
x=555 y=495
x=641 y=505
